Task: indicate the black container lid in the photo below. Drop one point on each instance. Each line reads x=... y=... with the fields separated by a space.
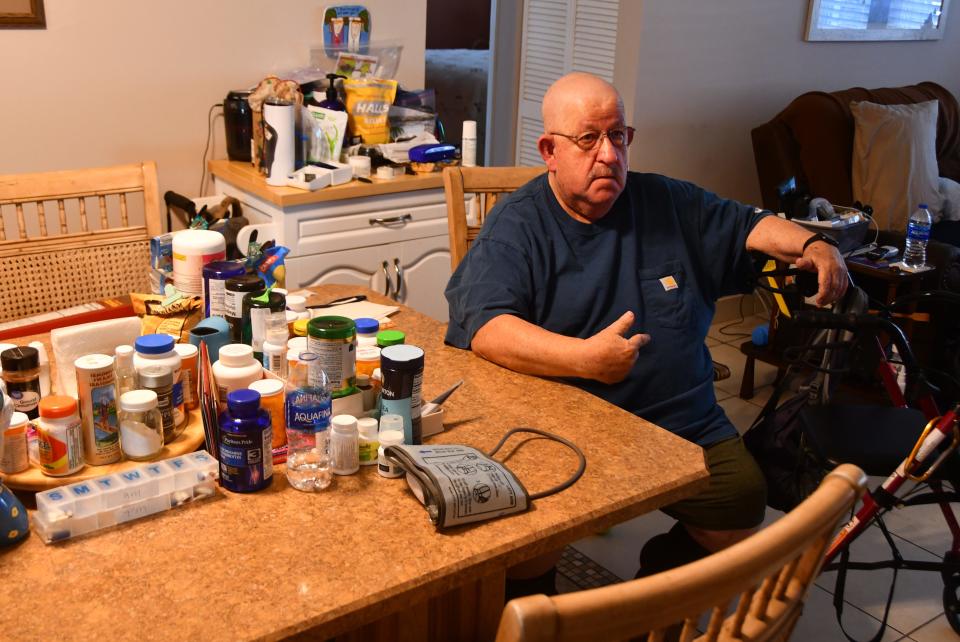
x=245 y=283
x=277 y=302
x=19 y=358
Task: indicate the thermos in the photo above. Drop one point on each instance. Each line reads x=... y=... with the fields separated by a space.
x=278 y=140
x=238 y=125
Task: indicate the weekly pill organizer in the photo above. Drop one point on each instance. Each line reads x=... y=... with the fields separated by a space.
x=88 y=506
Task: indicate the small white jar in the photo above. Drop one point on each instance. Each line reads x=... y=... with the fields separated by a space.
x=141 y=426
x=236 y=369
x=158 y=350
x=369 y=441
x=344 y=445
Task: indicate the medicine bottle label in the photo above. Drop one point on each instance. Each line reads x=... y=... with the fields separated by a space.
x=25 y=396
x=61 y=450
x=246 y=460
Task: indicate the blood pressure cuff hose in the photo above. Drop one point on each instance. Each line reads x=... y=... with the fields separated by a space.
x=460 y=485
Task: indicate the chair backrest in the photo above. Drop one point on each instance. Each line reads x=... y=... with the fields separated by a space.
x=56 y=256
x=486 y=185
x=753 y=590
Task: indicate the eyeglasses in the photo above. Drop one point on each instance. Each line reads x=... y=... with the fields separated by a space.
x=588 y=141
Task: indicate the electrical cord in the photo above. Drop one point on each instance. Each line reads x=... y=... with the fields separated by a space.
x=203 y=170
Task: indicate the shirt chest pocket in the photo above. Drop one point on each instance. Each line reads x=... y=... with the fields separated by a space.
x=666 y=295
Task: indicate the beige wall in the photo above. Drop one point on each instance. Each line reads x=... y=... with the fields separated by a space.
x=114 y=81
x=708 y=72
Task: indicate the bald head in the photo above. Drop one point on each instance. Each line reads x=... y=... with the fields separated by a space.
x=575 y=95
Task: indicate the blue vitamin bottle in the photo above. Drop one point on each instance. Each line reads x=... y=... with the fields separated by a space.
x=246 y=459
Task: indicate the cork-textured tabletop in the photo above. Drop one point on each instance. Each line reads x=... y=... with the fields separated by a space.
x=362 y=555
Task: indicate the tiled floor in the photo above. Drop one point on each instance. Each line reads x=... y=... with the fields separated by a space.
x=920 y=533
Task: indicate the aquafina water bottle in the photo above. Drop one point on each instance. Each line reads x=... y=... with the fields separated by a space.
x=918 y=234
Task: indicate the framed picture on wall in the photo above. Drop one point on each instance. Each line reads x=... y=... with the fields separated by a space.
x=22 y=14
x=876 y=19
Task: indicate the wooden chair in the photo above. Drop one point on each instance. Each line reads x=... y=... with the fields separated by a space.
x=57 y=257
x=486 y=185
x=762 y=582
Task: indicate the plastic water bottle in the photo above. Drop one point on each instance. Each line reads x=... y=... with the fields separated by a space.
x=918 y=234
x=308 y=408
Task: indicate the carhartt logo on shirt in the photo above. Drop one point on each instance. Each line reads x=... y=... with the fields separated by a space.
x=668 y=283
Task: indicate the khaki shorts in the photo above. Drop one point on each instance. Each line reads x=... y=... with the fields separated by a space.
x=737 y=495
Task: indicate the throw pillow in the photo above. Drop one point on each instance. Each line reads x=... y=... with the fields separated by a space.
x=895 y=160
x=950 y=192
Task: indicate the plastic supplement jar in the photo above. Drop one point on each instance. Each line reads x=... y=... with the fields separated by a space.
x=141 y=425
x=236 y=369
x=271 y=400
x=192 y=250
x=59 y=436
x=390 y=338
x=21 y=374
x=334 y=339
x=158 y=350
x=159 y=380
x=367 y=330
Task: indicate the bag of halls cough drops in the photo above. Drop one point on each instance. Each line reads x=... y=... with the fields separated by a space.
x=368 y=102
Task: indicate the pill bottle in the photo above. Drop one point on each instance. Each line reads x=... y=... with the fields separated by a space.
x=271 y=400
x=298 y=305
x=97 y=400
x=189 y=360
x=369 y=440
x=300 y=327
x=215 y=275
x=15 y=449
x=400 y=392
x=159 y=380
x=236 y=369
x=21 y=374
x=368 y=360
x=233 y=292
x=246 y=463
x=141 y=425
x=158 y=350
x=390 y=434
x=59 y=436
x=367 y=330
x=344 y=445
x=334 y=340
x=390 y=338
x=192 y=250
x=257 y=309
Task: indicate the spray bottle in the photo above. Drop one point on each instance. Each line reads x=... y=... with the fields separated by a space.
x=332 y=101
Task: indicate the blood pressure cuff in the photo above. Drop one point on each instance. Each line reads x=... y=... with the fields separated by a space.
x=459 y=484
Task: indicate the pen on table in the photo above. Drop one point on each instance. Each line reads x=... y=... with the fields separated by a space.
x=347 y=299
x=437 y=401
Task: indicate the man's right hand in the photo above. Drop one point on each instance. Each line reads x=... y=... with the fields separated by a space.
x=608 y=356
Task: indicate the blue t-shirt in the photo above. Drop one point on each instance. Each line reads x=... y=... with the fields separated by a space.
x=666 y=250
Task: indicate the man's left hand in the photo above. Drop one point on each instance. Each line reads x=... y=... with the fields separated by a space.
x=826 y=261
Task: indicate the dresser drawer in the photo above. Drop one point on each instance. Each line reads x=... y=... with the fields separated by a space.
x=328 y=234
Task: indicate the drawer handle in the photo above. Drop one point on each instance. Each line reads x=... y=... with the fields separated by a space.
x=403 y=218
x=396 y=267
x=386 y=277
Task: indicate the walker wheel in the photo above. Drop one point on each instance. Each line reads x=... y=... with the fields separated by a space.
x=951 y=601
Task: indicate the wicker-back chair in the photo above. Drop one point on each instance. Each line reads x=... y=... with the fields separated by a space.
x=752 y=591
x=486 y=185
x=70 y=237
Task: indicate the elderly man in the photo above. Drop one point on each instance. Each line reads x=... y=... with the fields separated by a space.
x=610 y=278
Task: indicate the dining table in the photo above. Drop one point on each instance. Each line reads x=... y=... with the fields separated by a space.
x=359 y=560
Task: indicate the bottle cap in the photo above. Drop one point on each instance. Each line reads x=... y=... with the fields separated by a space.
x=156 y=376
x=245 y=283
x=368 y=353
x=243 y=402
x=154 y=344
x=391 y=422
x=297 y=343
x=469 y=129
x=186 y=350
x=367 y=326
x=296 y=303
x=331 y=328
x=267 y=387
x=138 y=400
x=344 y=424
x=393 y=437
x=124 y=355
x=93 y=362
x=236 y=355
x=367 y=427
x=300 y=327
x=222 y=270
x=923 y=206
x=401 y=357
x=390 y=338
x=57 y=406
x=19 y=358
x=18 y=419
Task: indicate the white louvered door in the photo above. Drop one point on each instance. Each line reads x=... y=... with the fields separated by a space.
x=560 y=36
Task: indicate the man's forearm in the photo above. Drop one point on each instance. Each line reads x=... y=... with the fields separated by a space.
x=522 y=346
x=779 y=238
